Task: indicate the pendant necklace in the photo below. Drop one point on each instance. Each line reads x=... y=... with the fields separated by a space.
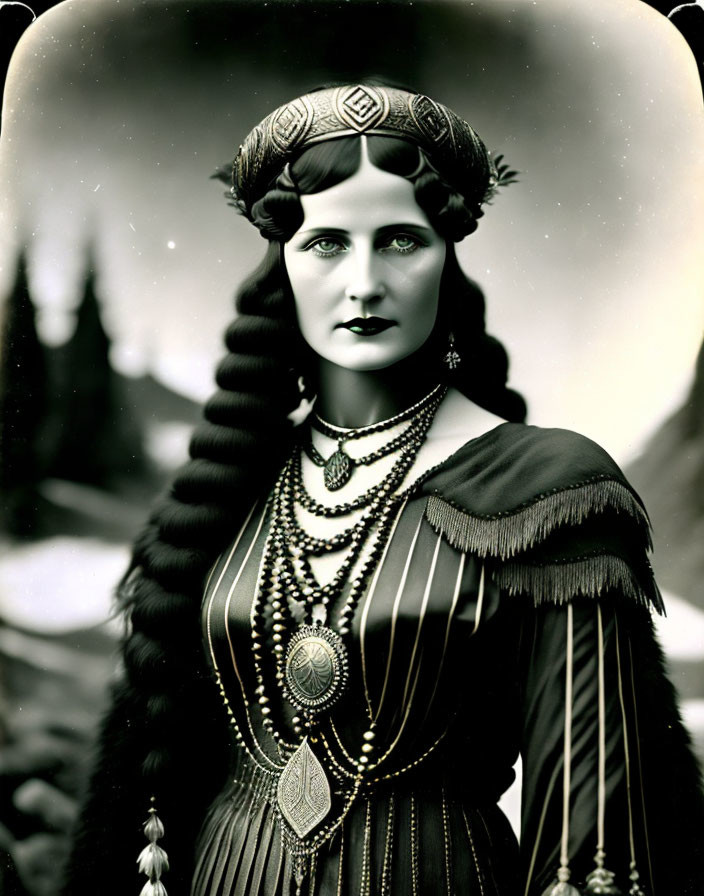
x=338 y=468
x=311 y=646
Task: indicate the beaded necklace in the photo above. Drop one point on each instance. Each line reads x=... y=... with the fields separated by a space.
x=310 y=640
x=338 y=468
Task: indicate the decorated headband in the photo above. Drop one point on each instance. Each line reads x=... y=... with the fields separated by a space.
x=450 y=144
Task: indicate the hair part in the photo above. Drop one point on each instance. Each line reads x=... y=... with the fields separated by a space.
x=278 y=214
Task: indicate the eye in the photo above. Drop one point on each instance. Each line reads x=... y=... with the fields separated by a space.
x=403 y=243
x=326 y=247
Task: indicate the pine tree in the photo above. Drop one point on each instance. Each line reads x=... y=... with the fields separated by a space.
x=22 y=408
x=94 y=435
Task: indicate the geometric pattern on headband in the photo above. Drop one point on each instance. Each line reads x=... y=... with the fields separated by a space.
x=451 y=145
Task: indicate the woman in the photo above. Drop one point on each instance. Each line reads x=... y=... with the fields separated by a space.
x=398 y=596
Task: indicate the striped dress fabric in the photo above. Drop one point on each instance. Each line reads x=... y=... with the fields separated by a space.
x=462 y=672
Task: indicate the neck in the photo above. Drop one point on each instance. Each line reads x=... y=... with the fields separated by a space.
x=354 y=398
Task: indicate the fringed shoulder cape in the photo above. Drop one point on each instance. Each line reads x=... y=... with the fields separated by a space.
x=510 y=616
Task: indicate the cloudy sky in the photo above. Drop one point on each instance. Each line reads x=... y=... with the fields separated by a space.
x=117 y=111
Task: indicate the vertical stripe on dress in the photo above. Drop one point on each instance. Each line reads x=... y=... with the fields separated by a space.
x=480 y=601
x=388 y=849
x=262 y=854
x=274 y=867
x=634 y=876
x=470 y=838
x=450 y=617
x=230 y=595
x=365 y=885
x=641 y=789
x=447 y=843
x=407 y=700
x=563 y=874
x=367 y=604
x=421 y=617
x=415 y=847
x=394 y=614
x=340 y=866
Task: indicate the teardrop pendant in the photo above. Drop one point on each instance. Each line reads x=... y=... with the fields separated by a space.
x=338 y=469
x=303 y=791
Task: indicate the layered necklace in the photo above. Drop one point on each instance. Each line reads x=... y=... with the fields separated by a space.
x=311 y=623
x=338 y=468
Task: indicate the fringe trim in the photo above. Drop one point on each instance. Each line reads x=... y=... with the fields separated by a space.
x=589 y=577
x=507 y=533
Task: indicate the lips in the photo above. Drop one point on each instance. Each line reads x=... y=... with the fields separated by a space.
x=367 y=326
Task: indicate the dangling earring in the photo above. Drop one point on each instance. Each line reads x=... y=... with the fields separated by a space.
x=452 y=359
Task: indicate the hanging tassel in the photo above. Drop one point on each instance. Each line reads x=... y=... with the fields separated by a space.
x=152 y=860
x=562 y=887
x=636 y=889
x=153 y=888
x=600 y=881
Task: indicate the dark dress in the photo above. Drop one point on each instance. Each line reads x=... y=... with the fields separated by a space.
x=510 y=615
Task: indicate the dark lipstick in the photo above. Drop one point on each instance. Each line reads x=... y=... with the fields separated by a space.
x=367 y=326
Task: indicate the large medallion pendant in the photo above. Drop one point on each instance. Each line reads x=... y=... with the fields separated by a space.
x=316 y=667
x=303 y=792
x=337 y=471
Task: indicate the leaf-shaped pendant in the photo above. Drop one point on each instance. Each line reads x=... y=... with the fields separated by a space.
x=338 y=469
x=303 y=792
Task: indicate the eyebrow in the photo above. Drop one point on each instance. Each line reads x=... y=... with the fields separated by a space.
x=382 y=231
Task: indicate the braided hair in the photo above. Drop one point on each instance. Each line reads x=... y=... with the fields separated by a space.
x=166 y=733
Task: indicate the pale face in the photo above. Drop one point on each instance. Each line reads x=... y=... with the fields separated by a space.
x=365 y=269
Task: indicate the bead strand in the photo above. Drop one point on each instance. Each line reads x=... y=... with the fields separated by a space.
x=399 y=441
x=329 y=429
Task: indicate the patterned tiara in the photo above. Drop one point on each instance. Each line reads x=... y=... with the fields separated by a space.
x=451 y=145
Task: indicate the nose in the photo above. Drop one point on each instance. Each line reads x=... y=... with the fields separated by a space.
x=365 y=282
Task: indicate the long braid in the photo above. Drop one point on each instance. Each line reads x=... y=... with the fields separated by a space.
x=240 y=443
x=165 y=733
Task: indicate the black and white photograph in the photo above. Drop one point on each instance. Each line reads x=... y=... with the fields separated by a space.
x=351 y=448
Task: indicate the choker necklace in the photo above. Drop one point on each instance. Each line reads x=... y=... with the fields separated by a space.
x=336 y=432
x=338 y=468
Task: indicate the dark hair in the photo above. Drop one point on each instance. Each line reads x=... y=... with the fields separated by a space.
x=278 y=214
x=235 y=454
x=483 y=373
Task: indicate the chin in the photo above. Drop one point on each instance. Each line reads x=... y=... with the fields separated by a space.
x=367 y=362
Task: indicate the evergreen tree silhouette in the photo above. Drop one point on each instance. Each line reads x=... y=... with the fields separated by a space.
x=22 y=408
x=694 y=407
x=94 y=434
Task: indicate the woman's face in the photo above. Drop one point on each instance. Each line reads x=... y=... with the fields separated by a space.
x=365 y=269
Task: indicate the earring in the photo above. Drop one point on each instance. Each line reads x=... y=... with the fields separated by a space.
x=452 y=359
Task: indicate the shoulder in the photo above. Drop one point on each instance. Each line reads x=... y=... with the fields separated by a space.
x=514 y=464
x=549 y=504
